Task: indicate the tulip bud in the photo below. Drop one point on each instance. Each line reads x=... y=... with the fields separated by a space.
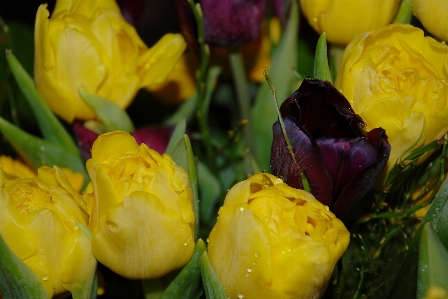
x=274 y=241
x=39 y=221
x=89 y=44
x=232 y=22
x=338 y=157
x=432 y=14
x=342 y=20
x=140 y=206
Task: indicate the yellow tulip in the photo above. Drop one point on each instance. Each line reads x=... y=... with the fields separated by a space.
x=274 y=241
x=342 y=20
x=16 y=167
x=140 y=206
x=39 y=220
x=432 y=14
x=89 y=43
x=396 y=78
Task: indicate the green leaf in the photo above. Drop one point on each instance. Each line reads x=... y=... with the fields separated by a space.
x=51 y=128
x=212 y=285
x=263 y=114
x=186 y=110
x=38 y=152
x=16 y=279
x=111 y=116
x=183 y=156
x=178 y=134
x=210 y=190
x=321 y=68
x=187 y=282
x=404 y=285
x=432 y=262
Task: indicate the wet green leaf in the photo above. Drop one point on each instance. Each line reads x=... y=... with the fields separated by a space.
x=321 y=68
x=212 y=285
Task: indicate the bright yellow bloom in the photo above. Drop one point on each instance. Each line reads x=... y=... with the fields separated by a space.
x=436 y=293
x=396 y=78
x=39 y=220
x=76 y=179
x=274 y=241
x=16 y=167
x=342 y=20
x=181 y=83
x=432 y=14
x=88 y=43
x=140 y=206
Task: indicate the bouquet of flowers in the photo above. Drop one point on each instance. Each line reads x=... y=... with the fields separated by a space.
x=254 y=149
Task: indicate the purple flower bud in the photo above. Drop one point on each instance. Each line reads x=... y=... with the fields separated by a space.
x=232 y=22
x=340 y=159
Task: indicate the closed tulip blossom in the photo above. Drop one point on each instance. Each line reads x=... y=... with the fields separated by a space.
x=141 y=208
x=232 y=22
x=89 y=44
x=342 y=20
x=39 y=221
x=274 y=241
x=340 y=159
x=432 y=14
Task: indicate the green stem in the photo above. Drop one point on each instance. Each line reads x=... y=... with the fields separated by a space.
x=404 y=14
x=242 y=91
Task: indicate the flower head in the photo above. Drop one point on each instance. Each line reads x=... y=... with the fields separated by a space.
x=39 y=221
x=274 y=241
x=232 y=22
x=342 y=20
x=338 y=157
x=396 y=78
x=140 y=206
x=432 y=15
x=89 y=44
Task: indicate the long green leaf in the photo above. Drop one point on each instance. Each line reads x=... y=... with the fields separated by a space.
x=38 y=152
x=405 y=283
x=187 y=282
x=178 y=134
x=432 y=262
x=263 y=114
x=111 y=116
x=16 y=279
x=51 y=128
x=212 y=285
x=183 y=156
x=321 y=68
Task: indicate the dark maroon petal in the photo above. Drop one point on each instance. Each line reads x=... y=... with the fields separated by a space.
x=156 y=137
x=232 y=22
x=345 y=159
x=131 y=10
x=360 y=184
x=85 y=139
x=308 y=156
x=188 y=26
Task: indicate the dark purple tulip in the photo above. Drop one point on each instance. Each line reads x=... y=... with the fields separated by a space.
x=232 y=22
x=131 y=10
x=155 y=137
x=340 y=159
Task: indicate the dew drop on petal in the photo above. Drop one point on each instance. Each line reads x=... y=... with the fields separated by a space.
x=208 y=240
x=257 y=254
x=249 y=269
x=185 y=244
x=242 y=209
x=240 y=295
x=45 y=278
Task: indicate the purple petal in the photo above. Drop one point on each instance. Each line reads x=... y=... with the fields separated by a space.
x=307 y=155
x=156 y=137
x=85 y=139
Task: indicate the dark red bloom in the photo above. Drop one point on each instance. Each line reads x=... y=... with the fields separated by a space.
x=340 y=159
x=232 y=22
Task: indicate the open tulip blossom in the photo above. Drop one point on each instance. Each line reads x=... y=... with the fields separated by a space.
x=340 y=159
x=173 y=149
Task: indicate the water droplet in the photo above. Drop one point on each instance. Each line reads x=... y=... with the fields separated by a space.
x=266 y=186
x=314 y=20
x=185 y=244
x=327 y=208
x=360 y=166
x=240 y=295
x=242 y=209
x=208 y=240
x=247 y=275
x=75 y=228
x=45 y=278
x=257 y=254
x=249 y=269
x=254 y=263
x=264 y=171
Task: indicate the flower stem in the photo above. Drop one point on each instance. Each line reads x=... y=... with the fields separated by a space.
x=242 y=91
